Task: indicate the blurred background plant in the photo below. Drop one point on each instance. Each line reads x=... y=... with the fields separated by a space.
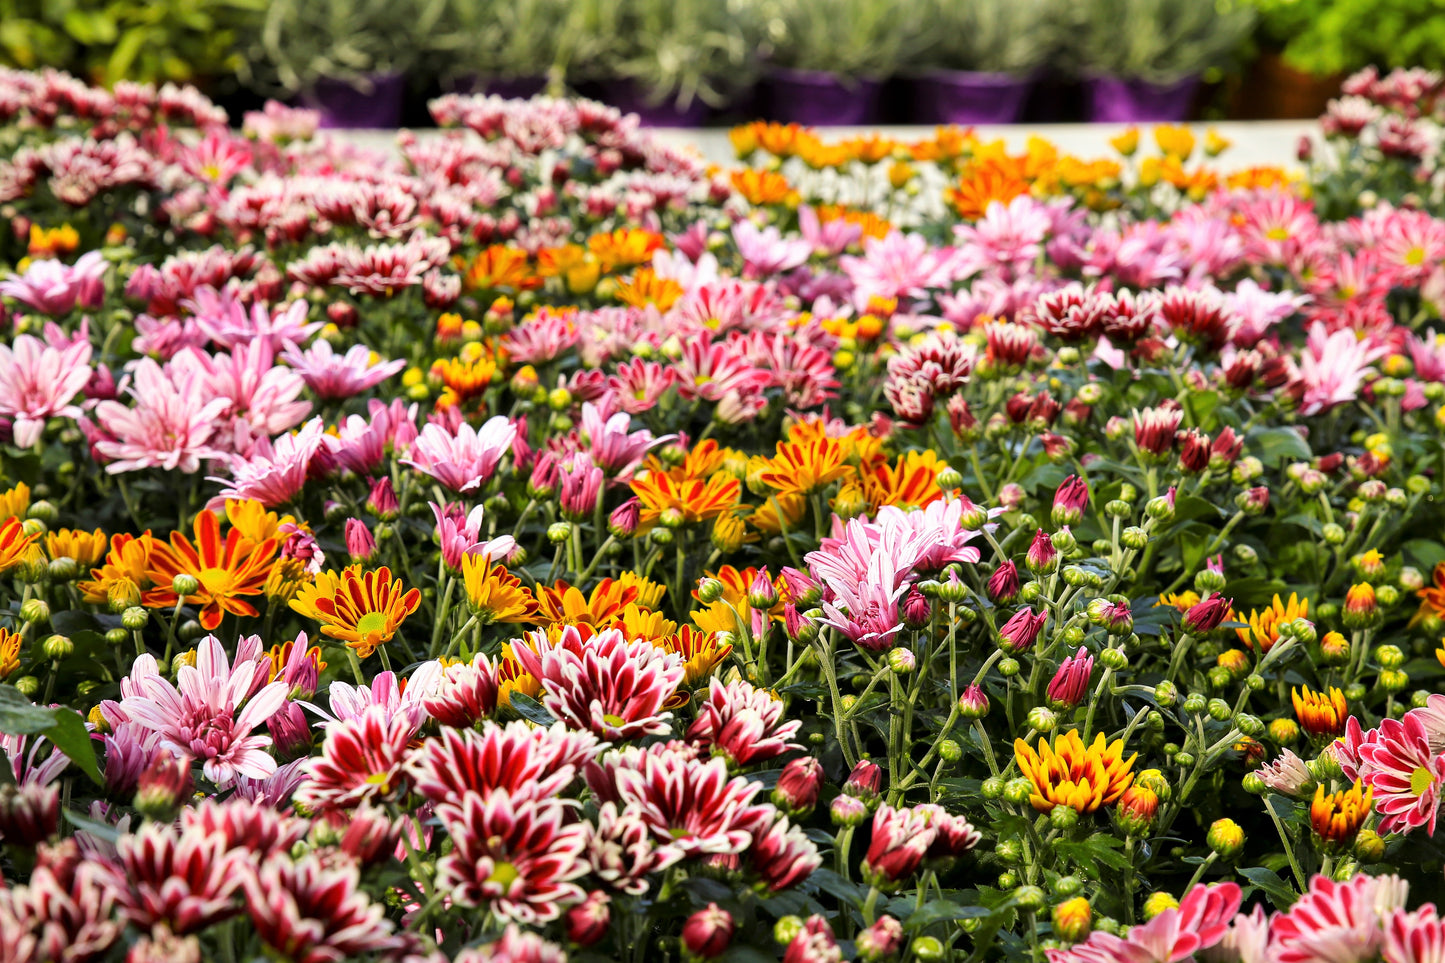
x=507 y=39
x=850 y=38
x=988 y=36
x=1159 y=41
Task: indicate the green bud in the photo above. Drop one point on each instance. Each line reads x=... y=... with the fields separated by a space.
x=992 y=787
x=1394 y=680
x=1118 y=508
x=559 y=532
x=1166 y=694
x=57 y=647
x=1333 y=533
x=116 y=636
x=1253 y=784
x=1008 y=668
x=62 y=569
x=1029 y=592
x=950 y=751
x=929 y=949
x=1249 y=725
x=1134 y=538
x=1033 y=898
x=1066 y=886
x=1389 y=656
x=190 y=631
x=1387 y=595
x=1185 y=759
x=786 y=929
x=1114 y=659
x=135 y=618
x=1017 y=791
x=1219 y=710
x=709 y=590
x=28 y=685
x=1042 y=719
x=1369 y=847
x=1007 y=880
x=1195 y=703
x=949 y=478
x=1159 y=509
x=35 y=611
x=1063 y=818
x=185 y=584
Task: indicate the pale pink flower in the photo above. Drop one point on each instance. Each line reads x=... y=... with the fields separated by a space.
x=460 y=535
x=1008 y=238
x=828 y=238
x=225 y=320
x=897 y=266
x=274 y=473
x=263 y=395
x=1332 y=367
x=336 y=376
x=1287 y=774
x=466 y=460
x=170 y=426
x=350 y=702
x=1417 y=937
x=37 y=382
x=202 y=715
x=612 y=446
x=766 y=252
x=1199 y=922
x=1337 y=922
x=53 y=287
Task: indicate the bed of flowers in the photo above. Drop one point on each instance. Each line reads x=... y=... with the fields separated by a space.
x=533 y=545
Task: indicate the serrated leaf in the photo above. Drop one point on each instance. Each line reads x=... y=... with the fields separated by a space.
x=531 y=710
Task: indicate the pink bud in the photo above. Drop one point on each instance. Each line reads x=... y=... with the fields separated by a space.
x=798 y=784
x=624 y=519
x=587 y=922
x=1003 y=584
x=164 y=786
x=708 y=932
x=360 y=544
x=1071 y=683
x=865 y=780
x=1020 y=632
x=881 y=941
x=973 y=704
x=382 y=501
x=915 y=609
x=1041 y=556
x=1070 y=501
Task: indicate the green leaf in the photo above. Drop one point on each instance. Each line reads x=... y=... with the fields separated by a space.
x=531 y=710
x=63 y=727
x=104 y=832
x=1278 y=891
x=19 y=717
x=1274 y=446
x=72 y=738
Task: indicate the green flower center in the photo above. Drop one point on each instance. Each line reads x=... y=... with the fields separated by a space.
x=371 y=624
x=1420 y=780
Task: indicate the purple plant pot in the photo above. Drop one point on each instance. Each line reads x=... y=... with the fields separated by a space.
x=343 y=106
x=629 y=98
x=1114 y=100
x=510 y=88
x=816 y=98
x=967 y=98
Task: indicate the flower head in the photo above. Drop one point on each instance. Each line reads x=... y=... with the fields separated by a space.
x=361 y=610
x=1320 y=714
x=1336 y=817
x=38 y=381
x=1070 y=774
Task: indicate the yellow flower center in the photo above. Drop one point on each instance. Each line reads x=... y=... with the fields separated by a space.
x=504 y=875
x=1420 y=781
x=214 y=580
x=371 y=624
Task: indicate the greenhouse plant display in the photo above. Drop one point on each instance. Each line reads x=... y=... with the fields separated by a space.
x=533 y=544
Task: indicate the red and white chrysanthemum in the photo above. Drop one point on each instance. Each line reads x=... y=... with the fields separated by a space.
x=1339 y=922
x=187 y=879
x=245 y=824
x=312 y=913
x=782 y=854
x=466 y=694
x=515 y=856
x=623 y=851
x=743 y=724
x=67 y=909
x=361 y=761
x=1396 y=762
x=519 y=758
x=515 y=946
x=605 y=684
x=688 y=802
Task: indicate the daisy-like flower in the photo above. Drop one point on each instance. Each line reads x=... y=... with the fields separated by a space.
x=37 y=382
x=225 y=570
x=1199 y=922
x=336 y=376
x=184 y=878
x=1337 y=817
x=685 y=801
x=225 y=320
x=495 y=594
x=516 y=857
x=67 y=908
x=901 y=838
x=743 y=724
x=400 y=697
x=1332 y=367
x=520 y=758
x=466 y=694
x=247 y=824
x=1406 y=777
x=1417 y=937
x=311 y=912
x=210 y=712
x=1067 y=773
x=782 y=855
x=170 y=427
x=605 y=684
x=1264 y=626
x=1339 y=922
x=362 y=610
x=466 y=460
x=360 y=762
x=14 y=543
x=53 y=287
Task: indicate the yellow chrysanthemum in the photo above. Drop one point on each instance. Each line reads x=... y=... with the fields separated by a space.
x=1337 y=817
x=15 y=502
x=9 y=652
x=86 y=548
x=1067 y=773
x=361 y=609
x=496 y=595
x=1263 y=630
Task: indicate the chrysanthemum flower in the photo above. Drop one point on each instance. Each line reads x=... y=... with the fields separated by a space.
x=464 y=461
x=310 y=912
x=687 y=802
x=1264 y=625
x=1406 y=776
x=1337 y=921
x=700 y=652
x=225 y=569
x=38 y=381
x=361 y=761
x=1200 y=921
x=248 y=824
x=14 y=543
x=466 y=694
x=1336 y=817
x=606 y=684
x=520 y=758
x=782 y=855
x=496 y=595
x=565 y=604
x=186 y=879
x=901 y=838
x=1288 y=774
x=361 y=610
x=1320 y=714
x=1067 y=773
x=691 y=500
x=517 y=857
x=742 y=723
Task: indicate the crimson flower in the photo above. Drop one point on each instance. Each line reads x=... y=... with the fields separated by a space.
x=312 y=913
x=186 y=879
x=743 y=724
x=361 y=761
x=518 y=758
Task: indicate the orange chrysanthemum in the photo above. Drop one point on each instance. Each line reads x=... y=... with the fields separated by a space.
x=1337 y=817
x=86 y=548
x=1067 y=773
x=565 y=604
x=804 y=467
x=1183 y=601
x=496 y=594
x=226 y=570
x=1320 y=714
x=9 y=652
x=701 y=653
x=982 y=184
x=121 y=580
x=501 y=267
x=363 y=610
x=692 y=499
x=760 y=187
x=14 y=543
x=644 y=287
x=912 y=483
x=511 y=677
x=15 y=502
x=1263 y=630
x=625 y=247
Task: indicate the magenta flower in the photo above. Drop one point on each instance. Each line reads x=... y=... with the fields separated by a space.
x=335 y=376
x=187 y=879
x=901 y=838
x=1337 y=921
x=402 y=698
x=460 y=535
x=580 y=484
x=202 y=715
x=1070 y=683
x=610 y=444
x=312 y=911
x=170 y=426
x=37 y=382
x=518 y=758
x=1020 y=631
x=623 y=852
x=227 y=322
x=1406 y=776
x=765 y=252
x=54 y=288
x=1070 y=500
x=1332 y=367
x=466 y=694
x=463 y=461
x=830 y=238
x=1199 y=922
x=360 y=762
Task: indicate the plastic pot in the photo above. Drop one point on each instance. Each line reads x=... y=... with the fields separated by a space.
x=377 y=102
x=966 y=97
x=816 y=98
x=628 y=97
x=522 y=87
x=1119 y=101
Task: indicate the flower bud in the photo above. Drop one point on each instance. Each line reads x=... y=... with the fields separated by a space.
x=382 y=502
x=57 y=647
x=360 y=544
x=1136 y=810
x=29 y=814
x=116 y=636
x=709 y=932
x=35 y=611
x=881 y=941
x=185 y=584
x=928 y=949
x=1394 y=680
x=864 y=782
x=135 y=618
x=973 y=703
x=1369 y=847
x=1361 y=609
x=1225 y=838
x=1134 y=538
x=901 y=661
x=709 y=590
x=587 y=922
x=559 y=532
x=848 y=811
x=164 y=787
x=949 y=479
x=122 y=594
x=950 y=751
x=798 y=785
x=1003 y=584
x=1158 y=902
x=1042 y=719
x=1073 y=919
x=1041 y=557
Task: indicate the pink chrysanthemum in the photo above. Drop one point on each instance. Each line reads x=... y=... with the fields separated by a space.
x=335 y=376
x=460 y=535
x=1397 y=763
x=170 y=426
x=466 y=460
x=623 y=851
x=466 y=694
x=37 y=382
x=1201 y=921
x=274 y=473
x=53 y=287
x=519 y=758
x=743 y=724
x=312 y=913
x=361 y=760
x=1339 y=922
x=186 y=879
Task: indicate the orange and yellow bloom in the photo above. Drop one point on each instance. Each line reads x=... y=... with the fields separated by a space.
x=1068 y=773
x=1337 y=817
x=1321 y=714
x=1264 y=624
x=226 y=570
x=361 y=609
